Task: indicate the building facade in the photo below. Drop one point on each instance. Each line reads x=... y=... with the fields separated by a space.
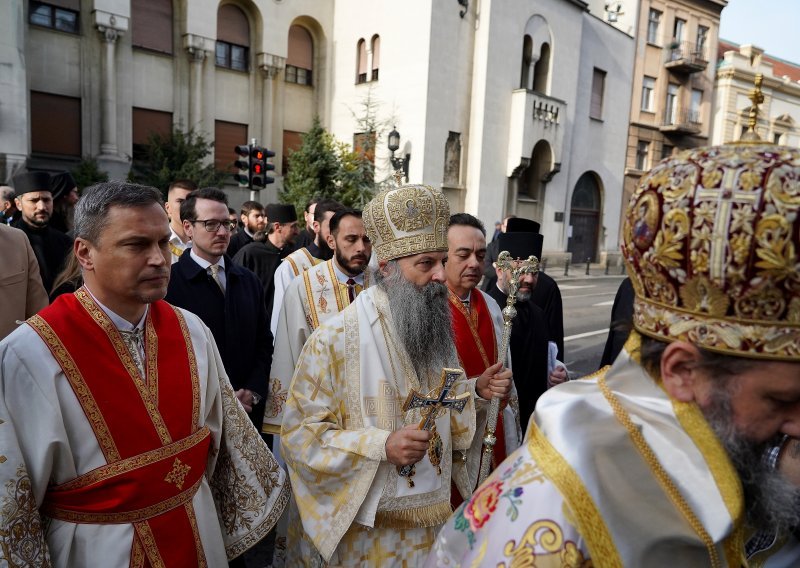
x=779 y=114
x=511 y=107
x=673 y=77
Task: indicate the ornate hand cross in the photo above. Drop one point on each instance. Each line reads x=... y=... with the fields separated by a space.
x=432 y=406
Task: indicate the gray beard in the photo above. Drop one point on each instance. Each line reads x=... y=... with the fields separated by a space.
x=422 y=322
x=771 y=502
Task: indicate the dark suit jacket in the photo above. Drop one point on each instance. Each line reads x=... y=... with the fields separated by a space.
x=238 y=240
x=238 y=321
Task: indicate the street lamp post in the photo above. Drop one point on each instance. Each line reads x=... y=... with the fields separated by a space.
x=398 y=163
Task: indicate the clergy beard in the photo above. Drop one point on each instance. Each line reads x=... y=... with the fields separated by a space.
x=325 y=252
x=771 y=502
x=422 y=322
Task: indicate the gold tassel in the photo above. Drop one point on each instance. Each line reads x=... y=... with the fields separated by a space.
x=428 y=516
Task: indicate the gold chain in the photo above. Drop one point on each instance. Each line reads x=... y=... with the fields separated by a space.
x=661 y=475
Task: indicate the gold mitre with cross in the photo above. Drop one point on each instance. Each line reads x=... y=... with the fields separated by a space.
x=711 y=240
x=407 y=220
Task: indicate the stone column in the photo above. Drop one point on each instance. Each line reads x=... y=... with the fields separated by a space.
x=108 y=97
x=196 y=59
x=271 y=66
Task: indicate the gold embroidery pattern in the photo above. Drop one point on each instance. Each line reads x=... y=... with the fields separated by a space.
x=659 y=473
x=178 y=473
x=127 y=517
x=198 y=544
x=175 y=250
x=111 y=331
x=21 y=534
x=149 y=544
x=241 y=502
x=723 y=273
x=76 y=381
x=588 y=520
x=193 y=372
x=387 y=406
x=129 y=464
x=137 y=552
x=151 y=358
x=407 y=220
x=276 y=399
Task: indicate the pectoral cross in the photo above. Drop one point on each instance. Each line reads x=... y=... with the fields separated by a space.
x=434 y=405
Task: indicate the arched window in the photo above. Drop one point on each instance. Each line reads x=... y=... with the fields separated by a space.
x=361 y=62
x=541 y=70
x=151 y=25
x=527 y=60
x=233 y=38
x=300 y=59
x=376 y=56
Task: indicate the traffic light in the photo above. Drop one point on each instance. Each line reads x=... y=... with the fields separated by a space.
x=256 y=167
x=243 y=164
x=268 y=166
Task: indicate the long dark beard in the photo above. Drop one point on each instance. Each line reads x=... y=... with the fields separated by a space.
x=771 y=502
x=422 y=321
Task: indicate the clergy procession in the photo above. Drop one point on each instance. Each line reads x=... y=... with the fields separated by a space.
x=382 y=387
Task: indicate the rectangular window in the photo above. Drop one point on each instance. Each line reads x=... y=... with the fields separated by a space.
x=777 y=137
x=598 y=88
x=702 y=40
x=694 y=109
x=299 y=75
x=151 y=25
x=231 y=56
x=62 y=17
x=648 y=89
x=145 y=122
x=642 y=155
x=666 y=150
x=677 y=30
x=653 y=20
x=55 y=124
x=292 y=141
x=671 y=110
x=227 y=135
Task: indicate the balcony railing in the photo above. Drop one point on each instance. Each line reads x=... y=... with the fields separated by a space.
x=681 y=121
x=546 y=109
x=534 y=117
x=685 y=57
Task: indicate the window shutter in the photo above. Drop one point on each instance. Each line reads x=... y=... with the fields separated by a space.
x=146 y=122
x=301 y=48
x=227 y=135
x=51 y=114
x=598 y=85
x=376 y=52
x=232 y=25
x=151 y=24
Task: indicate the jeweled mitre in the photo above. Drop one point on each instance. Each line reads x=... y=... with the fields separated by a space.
x=407 y=220
x=711 y=240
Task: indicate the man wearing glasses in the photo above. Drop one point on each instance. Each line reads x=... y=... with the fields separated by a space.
x=228 y=298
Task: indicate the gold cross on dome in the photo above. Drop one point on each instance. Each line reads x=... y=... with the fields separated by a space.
x=756 y=98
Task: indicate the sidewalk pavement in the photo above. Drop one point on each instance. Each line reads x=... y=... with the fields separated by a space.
x=578 y=272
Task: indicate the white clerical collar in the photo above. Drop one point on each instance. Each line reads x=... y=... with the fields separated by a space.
x=175 y=239
x=248 y=233
x=204 y=264
x=119 y=322
x=343 y=278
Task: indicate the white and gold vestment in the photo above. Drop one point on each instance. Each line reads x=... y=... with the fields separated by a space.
x=290 y=268
x=345 y=399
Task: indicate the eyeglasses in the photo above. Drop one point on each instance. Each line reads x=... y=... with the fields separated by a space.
x=213 y=225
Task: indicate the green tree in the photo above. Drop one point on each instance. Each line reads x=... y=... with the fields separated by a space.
x=177 y=155
x=87 y=173
x=313 y=168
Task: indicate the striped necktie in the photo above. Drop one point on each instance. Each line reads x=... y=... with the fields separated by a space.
x=214 y=271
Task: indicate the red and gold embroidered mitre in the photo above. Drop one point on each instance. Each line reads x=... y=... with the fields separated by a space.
x=711 y=240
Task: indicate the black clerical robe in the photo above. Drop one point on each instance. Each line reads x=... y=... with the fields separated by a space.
x=263 y=259
x=51 y=248
x=238 y=241
x=529 y=348
x=621 y=322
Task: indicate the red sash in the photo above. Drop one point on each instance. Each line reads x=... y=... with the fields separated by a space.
x=476 y=344
x=147 y=430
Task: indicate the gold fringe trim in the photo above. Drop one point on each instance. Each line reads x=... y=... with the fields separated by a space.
x=428 y=516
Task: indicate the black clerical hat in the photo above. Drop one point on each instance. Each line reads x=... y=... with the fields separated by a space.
x=31 y=181
x=522 y=225
x=521 y=244
x=280 y=213
x=61 y=184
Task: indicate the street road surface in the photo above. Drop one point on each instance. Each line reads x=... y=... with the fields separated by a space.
x=587 y=314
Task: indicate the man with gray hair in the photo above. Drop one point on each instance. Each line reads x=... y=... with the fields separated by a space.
x=139 y=453
x=8 y=207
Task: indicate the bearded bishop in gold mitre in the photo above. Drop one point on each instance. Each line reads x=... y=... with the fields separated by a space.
x=660 y=459
x=370 y=486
